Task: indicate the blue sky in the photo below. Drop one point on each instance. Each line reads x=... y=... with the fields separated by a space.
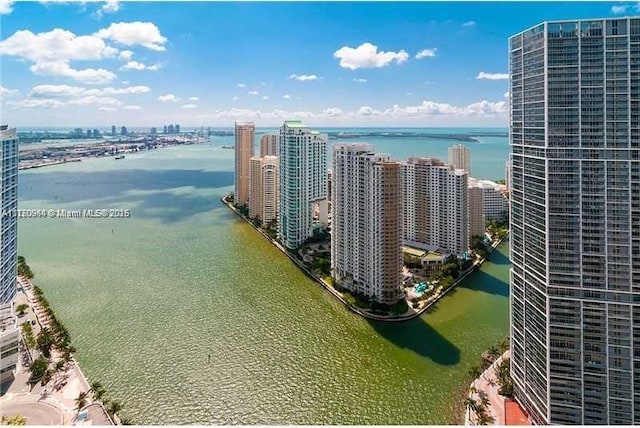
x=330 y=64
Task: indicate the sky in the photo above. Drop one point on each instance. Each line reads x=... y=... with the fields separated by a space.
x=143 y=64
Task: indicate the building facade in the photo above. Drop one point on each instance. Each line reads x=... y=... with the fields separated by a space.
x=575 y=221
x=494 y=201
x=436 y=215
x=9 y=218
x=269 y=145
x=9 y=342
x=477 y=222
x=460 y=157
x=263 y=189
x=245 y=136
x=303 y=183
x=366 y=228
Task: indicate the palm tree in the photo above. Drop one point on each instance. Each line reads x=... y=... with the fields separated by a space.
x=493 y=352
x=38 y=368
x=21 y=308
x=81 y=401
x=484 y=400
x=485 y=419
x=97 y=390
x=45 y=342
x=471 y=404
x=503 y=345
x=114 y=407
x=475 y=372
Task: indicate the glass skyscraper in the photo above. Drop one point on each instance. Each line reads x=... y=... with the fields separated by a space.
x=9 y=217
x=575 y=221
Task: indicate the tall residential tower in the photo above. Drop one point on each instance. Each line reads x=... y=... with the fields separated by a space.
x=575 y=221
x=366 y=228
x=245 y=135
x=9 y=218
x=460 y=157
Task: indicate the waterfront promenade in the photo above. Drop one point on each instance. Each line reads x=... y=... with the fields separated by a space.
x=55 y=402
x=411 y=313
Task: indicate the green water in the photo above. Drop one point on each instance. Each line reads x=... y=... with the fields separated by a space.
x=187 y=315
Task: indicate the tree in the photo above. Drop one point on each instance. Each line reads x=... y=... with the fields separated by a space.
x=45 y=341
x=114 y=407
x=503 y=345
x=14 y=420
x=97 y=390
x=475 y=372
x=485 y=419
x=22 y=308
x=81 y=401
x=493 y=352
x=38 y=369
x=471 y=404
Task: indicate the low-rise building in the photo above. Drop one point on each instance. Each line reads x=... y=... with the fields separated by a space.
x=9 y=339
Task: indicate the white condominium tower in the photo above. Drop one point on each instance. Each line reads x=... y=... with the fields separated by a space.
x=366 y=228
x=460 y=157
x=269 y=145
x=303 y=182
x=245 y=135
x=263 y=189
x=435 y=206
x=575 y=221
x=9 y=218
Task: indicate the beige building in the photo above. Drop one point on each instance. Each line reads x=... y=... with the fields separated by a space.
x=245 y=136
x=460 y=157
x=366 y=229
x=269 y=145
x=263 y=189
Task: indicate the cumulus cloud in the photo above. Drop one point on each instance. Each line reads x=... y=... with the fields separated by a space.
x=303 y=77
x=134 y=33
x=110 y=6
x=6 y=92
x=132 y=108
x=360 y=80
x=107 y=108
x=241 y=85
x=6 y=7
x=469 y=24
x=506 y=94
x=51 y=53
x=125 y=55
x=286 y=96
x=194 y=99
x=367 y=56
x=619 y=9
x=492 y=76
x=266 y=97
x=61 y=95
x=135 y=65
x=252 y=93
x=235 y=99
x=332 y=112
x=168 y=98
x=426 y=53
x=190 y=106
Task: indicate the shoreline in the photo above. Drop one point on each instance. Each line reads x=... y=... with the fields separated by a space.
x=336 y=294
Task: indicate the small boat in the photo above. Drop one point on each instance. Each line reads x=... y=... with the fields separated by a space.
x=120 y=157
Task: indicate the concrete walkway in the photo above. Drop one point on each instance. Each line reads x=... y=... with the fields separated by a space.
x=487 y=386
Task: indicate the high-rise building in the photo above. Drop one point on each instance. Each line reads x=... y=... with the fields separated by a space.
x=366 y=228
x=164 y=130
x=154 y=131
x=78 y=133
x=507 y=174
x=303 y=182
x=123 y=130
x=113 y=130
x=436 y=215
x=477 y=222
x=9 y=218
x=263 y=189
x=96 y=133
x=170 y=129
x=245 y=136
x=460 y=157
x=176 y=129
x=269 y=145
x=494 y=202
x=575 y=221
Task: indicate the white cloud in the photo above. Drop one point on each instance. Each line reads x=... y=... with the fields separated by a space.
x=235 y=99
x=132 y=108
x=506 y=94
x=51 y=53
x=134 y=33
x=252 y=93
x=469 y=24
x=332 y=112
x=66 y=91
x=286 y=96
x=241 y=85
x=367 y=56
x=426 y=53
x=492 y=76
x=6 y=92
x=168 y=98
x=125 y=55
x=194 y=99
x=190 y=106
x=360 y=80
x=619 y=9
x=107 y=108
x=36 y=103
x=303 y=77
x=135 y=65
x=265 y=97
x=125 y=82
x=111 y=6
x=408 y=93
x=5 y=7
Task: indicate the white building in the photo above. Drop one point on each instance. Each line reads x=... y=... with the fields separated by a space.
x=8 y=219
x=366 y=229
x=460 y=157
x=436 y=213
x=303 y=183
x=9 y=339
x=494 y=202
x=263 y=189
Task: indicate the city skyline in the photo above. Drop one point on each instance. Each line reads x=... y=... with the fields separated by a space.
x=429 y=64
